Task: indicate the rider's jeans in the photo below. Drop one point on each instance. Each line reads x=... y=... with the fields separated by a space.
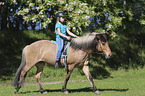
x=60 y=47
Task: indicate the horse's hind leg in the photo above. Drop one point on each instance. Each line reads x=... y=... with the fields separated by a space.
x=40 y=66
x=89 y=76
x=22 y=78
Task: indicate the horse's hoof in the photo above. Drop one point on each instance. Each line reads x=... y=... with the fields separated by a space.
x=66 y=92
x=45 y=92
x=97 y=92
x=15 y=91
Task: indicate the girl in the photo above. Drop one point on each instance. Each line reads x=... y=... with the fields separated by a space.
x=61 y=29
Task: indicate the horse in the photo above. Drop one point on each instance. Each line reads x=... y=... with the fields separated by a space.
x=78 y=56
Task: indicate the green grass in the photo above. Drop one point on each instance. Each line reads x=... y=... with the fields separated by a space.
x=120 y=83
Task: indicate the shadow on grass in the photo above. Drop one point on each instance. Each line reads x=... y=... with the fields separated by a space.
x=100 y=73
x=86 y=89
x=89 y=89
x=97 y=72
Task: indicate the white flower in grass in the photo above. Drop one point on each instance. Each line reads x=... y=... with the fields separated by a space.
x=41 y=12
x=26 y=10
x=86 y=24
x=31 y=4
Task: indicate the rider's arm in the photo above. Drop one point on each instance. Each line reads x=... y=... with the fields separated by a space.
x=70 y=33
x=59 y=32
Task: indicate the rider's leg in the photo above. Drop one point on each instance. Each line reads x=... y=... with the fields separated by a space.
x=59 y=51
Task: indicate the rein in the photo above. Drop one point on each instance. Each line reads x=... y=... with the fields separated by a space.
x=102 y=52
x=101 y=48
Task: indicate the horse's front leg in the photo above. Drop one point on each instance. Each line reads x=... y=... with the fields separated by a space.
x=89 y=76
x=69 y=71
x=37 y=76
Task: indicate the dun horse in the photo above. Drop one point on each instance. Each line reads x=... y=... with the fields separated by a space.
x=44 y=50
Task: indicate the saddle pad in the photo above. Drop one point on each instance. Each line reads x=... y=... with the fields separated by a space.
x=65 y=49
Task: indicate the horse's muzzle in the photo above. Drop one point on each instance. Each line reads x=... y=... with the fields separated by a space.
x=107 y=56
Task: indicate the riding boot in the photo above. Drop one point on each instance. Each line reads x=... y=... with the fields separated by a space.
x=56 y=65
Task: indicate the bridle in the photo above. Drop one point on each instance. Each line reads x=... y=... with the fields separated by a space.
x=102 y=52
x=101 y=47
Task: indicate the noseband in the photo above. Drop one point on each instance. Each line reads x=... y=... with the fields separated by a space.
x=102 y=52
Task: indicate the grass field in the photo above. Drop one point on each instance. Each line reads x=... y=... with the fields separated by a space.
x=120 y=83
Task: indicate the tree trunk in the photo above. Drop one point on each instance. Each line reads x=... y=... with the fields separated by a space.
x=4 y=14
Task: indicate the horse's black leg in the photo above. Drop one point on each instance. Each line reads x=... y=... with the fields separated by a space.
x=87 y=73
x=21 y=80
x=38 y=73
x=17 y=88
x=69 y=71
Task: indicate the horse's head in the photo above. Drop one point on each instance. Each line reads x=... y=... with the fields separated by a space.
x=88 y=42
x=102 y=45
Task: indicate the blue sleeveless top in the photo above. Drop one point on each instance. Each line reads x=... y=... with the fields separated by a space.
x=62 y=29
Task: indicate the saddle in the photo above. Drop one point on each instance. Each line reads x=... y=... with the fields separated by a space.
x=64 y=53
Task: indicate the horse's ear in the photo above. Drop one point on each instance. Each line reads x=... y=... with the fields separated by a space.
x=98 y=36
x=107 y=35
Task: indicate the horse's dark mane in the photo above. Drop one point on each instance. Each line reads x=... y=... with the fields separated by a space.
x=104 y=37
x=87 y=41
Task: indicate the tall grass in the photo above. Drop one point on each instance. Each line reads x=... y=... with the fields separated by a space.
x=124 y=56
x=11 y=45
x=121 y=75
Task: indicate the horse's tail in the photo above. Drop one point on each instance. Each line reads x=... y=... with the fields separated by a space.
x=22 y=65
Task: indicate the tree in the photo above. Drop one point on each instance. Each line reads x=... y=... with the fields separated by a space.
x=95 y=15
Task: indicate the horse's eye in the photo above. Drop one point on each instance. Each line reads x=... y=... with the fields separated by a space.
x=103 y=43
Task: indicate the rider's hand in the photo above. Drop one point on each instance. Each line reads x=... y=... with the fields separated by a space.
x=68 y=37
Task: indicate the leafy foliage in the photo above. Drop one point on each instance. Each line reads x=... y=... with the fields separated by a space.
x=106 y=15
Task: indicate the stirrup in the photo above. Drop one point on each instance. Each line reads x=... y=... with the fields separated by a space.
x=56 y=65
x=65 y=61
